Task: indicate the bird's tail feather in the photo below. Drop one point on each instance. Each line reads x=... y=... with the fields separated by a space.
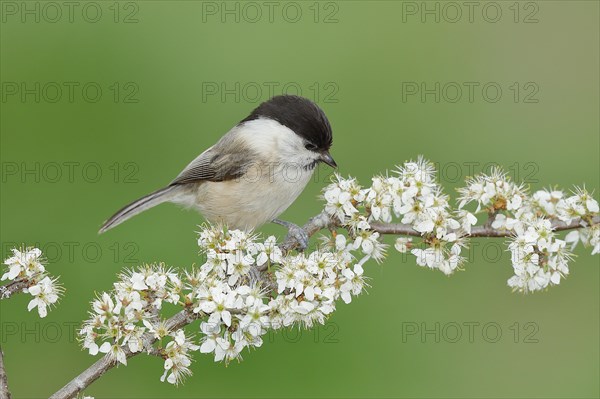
x=138 y=206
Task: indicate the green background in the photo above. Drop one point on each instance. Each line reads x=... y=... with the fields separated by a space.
x=364 y=56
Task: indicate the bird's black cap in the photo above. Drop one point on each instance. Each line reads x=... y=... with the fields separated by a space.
x=299 y=114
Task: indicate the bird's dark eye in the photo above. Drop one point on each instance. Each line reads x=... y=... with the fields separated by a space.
x=310 y=147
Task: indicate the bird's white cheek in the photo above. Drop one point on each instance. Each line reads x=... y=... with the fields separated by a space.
x=298 y=156
x=276 y=144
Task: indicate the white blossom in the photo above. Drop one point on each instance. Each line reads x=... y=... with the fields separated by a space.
x=539 y=258
x=177 y=360
x=45 y=293
x=403 y=244
x=24 y=263
x=26 y=269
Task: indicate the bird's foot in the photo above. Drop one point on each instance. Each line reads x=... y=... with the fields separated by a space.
x=295 y=233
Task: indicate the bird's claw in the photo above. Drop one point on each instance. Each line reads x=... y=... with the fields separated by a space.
x=295 y=233
x=300 y=236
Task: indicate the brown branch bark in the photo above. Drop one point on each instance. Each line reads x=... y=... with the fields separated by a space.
x=4 y=391
x=6 y=291
x=476 y=231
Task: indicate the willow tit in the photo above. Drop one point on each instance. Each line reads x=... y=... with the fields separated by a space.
x=254 y=172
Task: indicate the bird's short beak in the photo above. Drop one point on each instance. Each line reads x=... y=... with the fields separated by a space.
x=328 y=159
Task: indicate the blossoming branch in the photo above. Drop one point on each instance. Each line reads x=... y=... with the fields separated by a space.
x=249 y=285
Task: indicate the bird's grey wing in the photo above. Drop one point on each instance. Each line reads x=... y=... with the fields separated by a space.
x=226 y=160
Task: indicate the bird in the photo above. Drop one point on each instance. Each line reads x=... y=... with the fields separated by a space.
x=254 y=172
